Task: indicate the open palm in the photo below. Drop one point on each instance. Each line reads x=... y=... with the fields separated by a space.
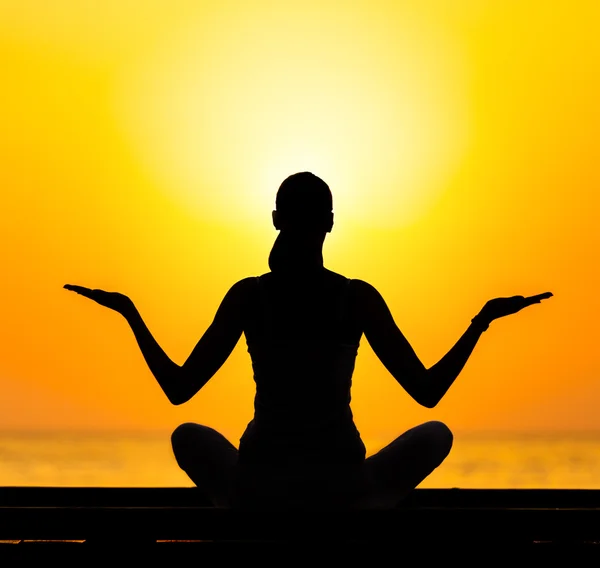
x=113 y=300
x=500 y=307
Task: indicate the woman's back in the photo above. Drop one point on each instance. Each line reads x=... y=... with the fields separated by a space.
x=302 y=335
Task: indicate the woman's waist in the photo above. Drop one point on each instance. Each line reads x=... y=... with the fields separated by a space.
x=326 y=343
x=303 y=416
x=266 y=440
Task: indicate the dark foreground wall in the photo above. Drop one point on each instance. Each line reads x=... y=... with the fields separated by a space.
x=431 y=520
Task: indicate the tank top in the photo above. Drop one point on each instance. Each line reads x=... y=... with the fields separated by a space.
x=302 y=409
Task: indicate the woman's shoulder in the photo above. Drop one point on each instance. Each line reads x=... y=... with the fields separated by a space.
x=242 y=289
x=358 y=285
x=245 y=285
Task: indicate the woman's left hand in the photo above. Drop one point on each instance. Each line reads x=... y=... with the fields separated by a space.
x=500 y=307
x=113 y=300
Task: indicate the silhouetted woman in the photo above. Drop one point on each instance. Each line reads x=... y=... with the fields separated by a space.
x=303 y=324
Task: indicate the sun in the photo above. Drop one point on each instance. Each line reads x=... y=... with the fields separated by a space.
x=378 y=111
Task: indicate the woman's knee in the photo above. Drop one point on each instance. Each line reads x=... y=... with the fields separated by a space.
x=441 y=438
x=181 y=434
x=194 y=443
x=179 y=439
x=183 y=439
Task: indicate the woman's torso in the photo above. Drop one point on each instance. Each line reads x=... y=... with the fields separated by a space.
x=302 y=336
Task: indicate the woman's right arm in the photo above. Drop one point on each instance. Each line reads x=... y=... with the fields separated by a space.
x=426 y=386
x=181 y=382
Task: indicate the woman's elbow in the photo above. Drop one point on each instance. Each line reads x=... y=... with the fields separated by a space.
x=426 y=399
x=177 y=398
x=179 y=389
x=182 y=395
x=428 y=402
x=422 y=392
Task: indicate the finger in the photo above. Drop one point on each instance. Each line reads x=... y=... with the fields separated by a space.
x=74 y=288
x=539 y=297
x=78 y=289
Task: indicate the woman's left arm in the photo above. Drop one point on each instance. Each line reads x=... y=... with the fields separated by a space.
x=180 y=383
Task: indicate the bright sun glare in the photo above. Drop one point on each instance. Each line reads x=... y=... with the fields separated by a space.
x=377 y=109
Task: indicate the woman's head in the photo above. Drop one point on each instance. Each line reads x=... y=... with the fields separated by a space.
x=304 y=204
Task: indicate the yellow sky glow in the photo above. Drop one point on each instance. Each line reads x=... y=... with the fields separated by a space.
x=143 y=144
x=238 y=100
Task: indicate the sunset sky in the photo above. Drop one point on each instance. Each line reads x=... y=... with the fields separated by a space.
x=142 y=144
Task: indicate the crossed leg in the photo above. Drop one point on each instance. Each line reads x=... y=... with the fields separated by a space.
x=208 y=458
x=210 y=461
x=400 y=466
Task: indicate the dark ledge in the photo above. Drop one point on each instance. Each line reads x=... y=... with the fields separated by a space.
x=178 y=514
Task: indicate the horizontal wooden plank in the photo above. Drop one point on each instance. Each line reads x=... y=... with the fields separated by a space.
x=207 y=523
x=191 y=496
x=102 y=496
x=151 y=514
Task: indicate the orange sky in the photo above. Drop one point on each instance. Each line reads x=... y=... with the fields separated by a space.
x=143 y=142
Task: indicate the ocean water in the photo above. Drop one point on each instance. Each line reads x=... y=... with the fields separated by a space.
x=146 y=460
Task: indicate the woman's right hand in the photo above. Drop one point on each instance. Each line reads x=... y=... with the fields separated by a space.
x=500 y=307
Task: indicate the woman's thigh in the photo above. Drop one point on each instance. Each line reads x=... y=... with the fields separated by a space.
x=208 y=458
x=404 y=463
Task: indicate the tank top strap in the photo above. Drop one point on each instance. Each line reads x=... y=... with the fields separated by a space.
x=265 y=308
x=342 y=305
